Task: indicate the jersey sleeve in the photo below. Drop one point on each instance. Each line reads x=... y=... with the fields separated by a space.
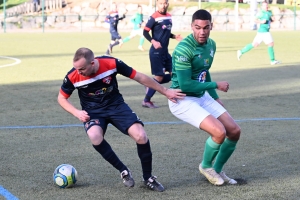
x=212 y=92
x=150 y=23
x=67 y=87
x=124 y=69
x=123 y=16
x=183 y=68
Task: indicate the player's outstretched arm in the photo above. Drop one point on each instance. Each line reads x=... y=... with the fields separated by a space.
x=171 y=94
x=65 y=104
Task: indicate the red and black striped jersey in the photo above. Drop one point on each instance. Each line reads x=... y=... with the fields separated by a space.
x=101 y=89
x=160 y=26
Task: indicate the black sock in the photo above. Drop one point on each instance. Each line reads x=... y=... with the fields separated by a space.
x=109 y=155
x=145 y=155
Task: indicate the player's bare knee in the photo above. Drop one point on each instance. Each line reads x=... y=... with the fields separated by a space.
x=235 y=133
x=219 y=135
x=95 y=138
x=141 y=138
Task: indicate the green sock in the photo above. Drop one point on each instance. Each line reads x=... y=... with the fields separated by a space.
x=247 y=48
x=210 y=151
x=271 y=53
x=226 y=150
x=142 y=39
x=126 y=39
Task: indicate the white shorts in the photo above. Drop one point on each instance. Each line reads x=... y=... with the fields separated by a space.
x=194 y=110
x=265 y=37
x=136 y=32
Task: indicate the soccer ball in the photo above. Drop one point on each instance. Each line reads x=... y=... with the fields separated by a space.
x=65 y=176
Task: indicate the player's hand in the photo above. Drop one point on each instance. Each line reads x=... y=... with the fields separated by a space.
x=174 y=94
x=156 y=44
x=223 y=86
x=82 y=115
x=178 y=37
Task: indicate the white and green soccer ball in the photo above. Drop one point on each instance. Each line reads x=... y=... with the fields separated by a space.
x=65 y=176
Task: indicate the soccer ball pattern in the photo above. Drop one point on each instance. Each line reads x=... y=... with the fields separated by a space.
x=65 y=176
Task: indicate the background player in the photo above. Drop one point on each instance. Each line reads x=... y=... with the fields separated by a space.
x=113 y=19
x=102 y=103
x=264 y=18
x=202 y=108
x=137 y=21
x=160 y=25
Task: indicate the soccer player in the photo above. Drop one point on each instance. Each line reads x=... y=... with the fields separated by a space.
x=160 y=25
x=137 y=21
x=202 y=107
x=102 y=103
x=264 y=18
x=113 y=19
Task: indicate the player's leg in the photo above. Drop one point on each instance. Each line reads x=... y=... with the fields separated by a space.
x=142 y=39
x=233 y=132
x=268 y=40
x=95 y=129
x=141 y=42
x=137 y=132
x=132 y=35
x=191 y=111
x=129 y=123
x=248 y=47
x=118 y=39
x=112 y=40
x=159 y=64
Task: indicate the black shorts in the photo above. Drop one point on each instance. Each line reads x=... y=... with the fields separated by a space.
x=160 y=62
x=121 y=116
x=115 y=35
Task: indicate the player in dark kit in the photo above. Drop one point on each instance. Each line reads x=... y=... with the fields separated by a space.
x=160 y=25
x=113 y=19
x=102 y=103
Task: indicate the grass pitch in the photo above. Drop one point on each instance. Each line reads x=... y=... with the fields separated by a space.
x=37 y=135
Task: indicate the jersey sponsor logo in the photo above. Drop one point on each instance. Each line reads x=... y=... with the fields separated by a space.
x=206 y=62
x=169 y=27
x=102 y=91
x=181 y=59
x=202 y=76
x=106 y=80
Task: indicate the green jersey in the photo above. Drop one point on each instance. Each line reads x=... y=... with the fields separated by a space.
x=191 y=62
x=264 y=15
x=137 y=21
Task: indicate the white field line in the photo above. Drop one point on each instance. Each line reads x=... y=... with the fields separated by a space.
x=17 y=61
